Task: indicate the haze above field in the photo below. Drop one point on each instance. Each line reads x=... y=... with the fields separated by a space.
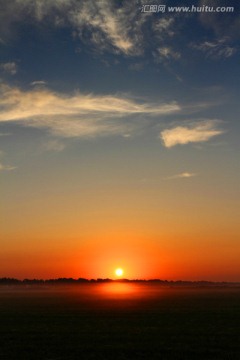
x=119 y=141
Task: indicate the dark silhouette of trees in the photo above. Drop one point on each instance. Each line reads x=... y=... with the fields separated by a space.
x=79 y=281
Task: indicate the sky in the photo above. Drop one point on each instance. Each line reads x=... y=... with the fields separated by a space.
x=119 y=131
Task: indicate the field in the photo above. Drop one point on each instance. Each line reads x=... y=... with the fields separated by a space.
x=119 y=321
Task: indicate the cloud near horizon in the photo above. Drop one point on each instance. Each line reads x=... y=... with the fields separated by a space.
x=184 y=175
x=77 y=115
x=200 y=131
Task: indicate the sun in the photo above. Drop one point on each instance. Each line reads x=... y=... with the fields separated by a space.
x=119 y=272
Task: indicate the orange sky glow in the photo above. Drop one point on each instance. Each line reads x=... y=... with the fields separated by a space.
x=119 y=146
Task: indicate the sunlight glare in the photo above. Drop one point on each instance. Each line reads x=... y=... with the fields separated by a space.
x=119 y=272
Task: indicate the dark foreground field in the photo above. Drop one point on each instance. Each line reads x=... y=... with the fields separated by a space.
x=119 y=321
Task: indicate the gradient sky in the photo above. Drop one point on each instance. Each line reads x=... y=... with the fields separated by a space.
x=119 y=140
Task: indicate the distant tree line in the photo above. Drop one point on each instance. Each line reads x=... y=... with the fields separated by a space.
x=65 y=281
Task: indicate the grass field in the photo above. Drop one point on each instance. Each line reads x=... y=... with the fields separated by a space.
x=119 y=321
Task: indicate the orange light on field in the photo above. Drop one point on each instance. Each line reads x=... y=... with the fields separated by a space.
x=119 y=290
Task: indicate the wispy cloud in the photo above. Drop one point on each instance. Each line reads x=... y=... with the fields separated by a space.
x=77 y=114
x=166 y=53
x=38 y=83
x=184 y=175
x=6 y=167
x=167 y=50
x=118 y=27
x=197 y=132
x=108 y=25
x=9 y=67
x=219 y=49
x=105 y=25
x=164 y=27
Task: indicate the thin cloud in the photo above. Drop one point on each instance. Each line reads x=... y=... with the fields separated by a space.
x=114 y=28
x=166 y=53
x=106 y=25
x=38 y=83
x=219 y=49
x=184 y=175
x=6 y=167
x=164 y=27
x=165 y=30
x=77 y=114
x=9 y=67
x=199 y=132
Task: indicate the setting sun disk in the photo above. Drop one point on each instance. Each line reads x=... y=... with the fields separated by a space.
x=119 y=272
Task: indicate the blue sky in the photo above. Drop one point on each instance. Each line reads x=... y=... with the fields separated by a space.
x=99 y=48
x=99 y=96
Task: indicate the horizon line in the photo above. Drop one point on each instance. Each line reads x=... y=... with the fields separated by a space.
x=89 y=280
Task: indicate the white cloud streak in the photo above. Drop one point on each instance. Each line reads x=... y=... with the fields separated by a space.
x=198 y=132
x=184 y=175
x=38 y=83
x=78 y=114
